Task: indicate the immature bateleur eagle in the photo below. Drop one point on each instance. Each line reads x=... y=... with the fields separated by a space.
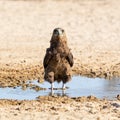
x=58 y=59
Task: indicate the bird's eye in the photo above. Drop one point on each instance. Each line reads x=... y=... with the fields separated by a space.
x=62 y=31
x=56 y=31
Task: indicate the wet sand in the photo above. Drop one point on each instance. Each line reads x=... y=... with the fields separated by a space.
x=92 y=28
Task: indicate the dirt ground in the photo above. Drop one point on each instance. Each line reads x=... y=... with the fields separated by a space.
x=60 y=108
x=93 y=32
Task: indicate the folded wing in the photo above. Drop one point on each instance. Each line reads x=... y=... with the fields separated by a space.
x=70 y=59
x=47 y=58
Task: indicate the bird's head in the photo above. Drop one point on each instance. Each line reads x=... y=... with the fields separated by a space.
x=58 y=32
x=58 y=36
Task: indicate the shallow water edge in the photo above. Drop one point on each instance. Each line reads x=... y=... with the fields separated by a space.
x=78 y=86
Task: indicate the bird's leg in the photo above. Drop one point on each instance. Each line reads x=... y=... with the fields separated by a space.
x=52 y=89
x=63 y=87
x=52 y=86
x=50 y=78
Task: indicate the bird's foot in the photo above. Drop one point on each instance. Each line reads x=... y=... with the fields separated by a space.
x=52 y=86
x=63 y=87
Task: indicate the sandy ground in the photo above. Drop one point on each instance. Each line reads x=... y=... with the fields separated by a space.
x=60 y=108
x=93 y=32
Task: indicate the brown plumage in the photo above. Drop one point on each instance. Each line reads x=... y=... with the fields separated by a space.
x=58 y=59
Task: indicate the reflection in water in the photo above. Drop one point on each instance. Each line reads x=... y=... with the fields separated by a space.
x=63 y=93
x=79 y=86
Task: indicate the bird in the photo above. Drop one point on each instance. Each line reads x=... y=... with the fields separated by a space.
x=58 y=59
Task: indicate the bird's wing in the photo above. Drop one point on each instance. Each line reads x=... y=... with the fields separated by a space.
x=70 y=59
x=47 y=58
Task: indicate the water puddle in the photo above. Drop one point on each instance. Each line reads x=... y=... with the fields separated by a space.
x=79 y=86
